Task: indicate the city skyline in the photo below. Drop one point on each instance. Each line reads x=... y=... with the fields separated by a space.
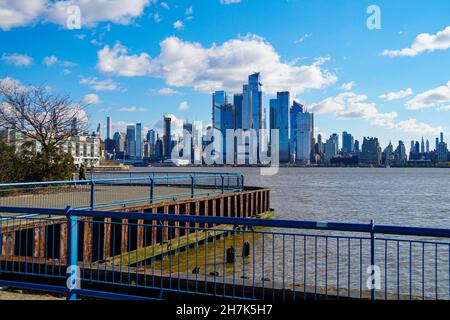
x=364 y=81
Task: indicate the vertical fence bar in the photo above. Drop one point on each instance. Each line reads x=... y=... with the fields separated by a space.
x=192 y=186
x=372 y=258
x=152 y=190
x=92 y=194
x=72 y=254
x=223 y=183
x=242 y=181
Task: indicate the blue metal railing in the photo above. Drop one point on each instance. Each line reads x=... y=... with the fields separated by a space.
x=111 y=192
x=223 y=257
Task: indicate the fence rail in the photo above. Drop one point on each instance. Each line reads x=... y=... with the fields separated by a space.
x=112 y=192
x=169 y=254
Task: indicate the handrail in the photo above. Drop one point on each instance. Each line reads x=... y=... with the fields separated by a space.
x=251 y=222
x=202 y=176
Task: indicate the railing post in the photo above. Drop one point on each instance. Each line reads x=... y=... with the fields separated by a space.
x=92 y=194
x=72 y=273
x=223 y=183
x=242 y=182
x=152 y=189
x=192 y=186
x=372 y=259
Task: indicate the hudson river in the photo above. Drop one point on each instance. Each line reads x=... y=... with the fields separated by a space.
x=399 y=196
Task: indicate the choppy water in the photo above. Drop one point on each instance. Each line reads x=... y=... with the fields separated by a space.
x=394 y=196
x=400 y=196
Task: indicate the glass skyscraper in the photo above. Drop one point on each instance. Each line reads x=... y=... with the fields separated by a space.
x=139 y=141
x=279 y=119
x=295 y=111
x=252 y=113
x=347 y=142
x=131 y=141
x=237 y=101
x=223 y=116
x=304 y=137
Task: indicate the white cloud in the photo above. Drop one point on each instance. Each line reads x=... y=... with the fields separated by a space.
x=157 y=17
x=179 y=25
x=412 y=126
x=226 y=66
x=16 y=59
x=91 y=99
x=229 y=1
x=424 y=42
x=164 y=5
x=17 y=13
x=189 y=11
x=183 y=106
x=165 y=92
x=95 y=11
x=396 y=95
x=303 y=38
x=100 y=85
x=131 y=109
x=52 y=60
x=349 y=105
x=117 y=61
x=434 y=98
x=348 y=85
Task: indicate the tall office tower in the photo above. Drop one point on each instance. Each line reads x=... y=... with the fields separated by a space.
x=294 y=112
x=442 y=151
x=167 y=137
x=422 y=146
x=108 y=127
x=304 y=137
x=442 y=136
x=223 y=117
x=131 y=141
x=151 y=136
x=417 y=147
x=436 y=144
x=139 y=141
x=371 y=152
x=412 y=150
x=279 y=119
x=427 y=148
x=331 y=147
x=320 y=144
x=400 y=153
x=252 y=113
x=237 y=102
x=347 y=142
x=356 y=146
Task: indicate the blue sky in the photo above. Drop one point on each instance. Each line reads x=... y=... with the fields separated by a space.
x=136 y=60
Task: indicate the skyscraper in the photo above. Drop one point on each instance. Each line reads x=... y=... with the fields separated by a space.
x=223 y=117
x=108 y=127
x=347 y=142
x=237 y=101
x=296 y=109
x=279 y=119
x=304 y=137
x=167 y=137
x=131 y=141
x=370 y=152
x=139 y=141
x=331 y=147
x=252 y=113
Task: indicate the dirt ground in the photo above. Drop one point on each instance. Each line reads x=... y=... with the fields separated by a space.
x=13 y=294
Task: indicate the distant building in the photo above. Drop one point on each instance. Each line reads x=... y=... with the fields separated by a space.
x=442 y=150
x=279 y=119
x=331 y=147
x=130 y=142
x=294 y=112
x=304 y=137
x=167 y=137
x=370 y=152
x=347 y=142
x=139 y=142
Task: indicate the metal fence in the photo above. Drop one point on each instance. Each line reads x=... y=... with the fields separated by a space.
x=163 y=255
x=102 y=193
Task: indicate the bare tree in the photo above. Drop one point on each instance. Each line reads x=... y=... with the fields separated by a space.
x=40 y=115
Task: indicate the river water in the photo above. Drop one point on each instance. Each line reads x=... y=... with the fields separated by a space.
x=335 y=261
x=398 y=196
